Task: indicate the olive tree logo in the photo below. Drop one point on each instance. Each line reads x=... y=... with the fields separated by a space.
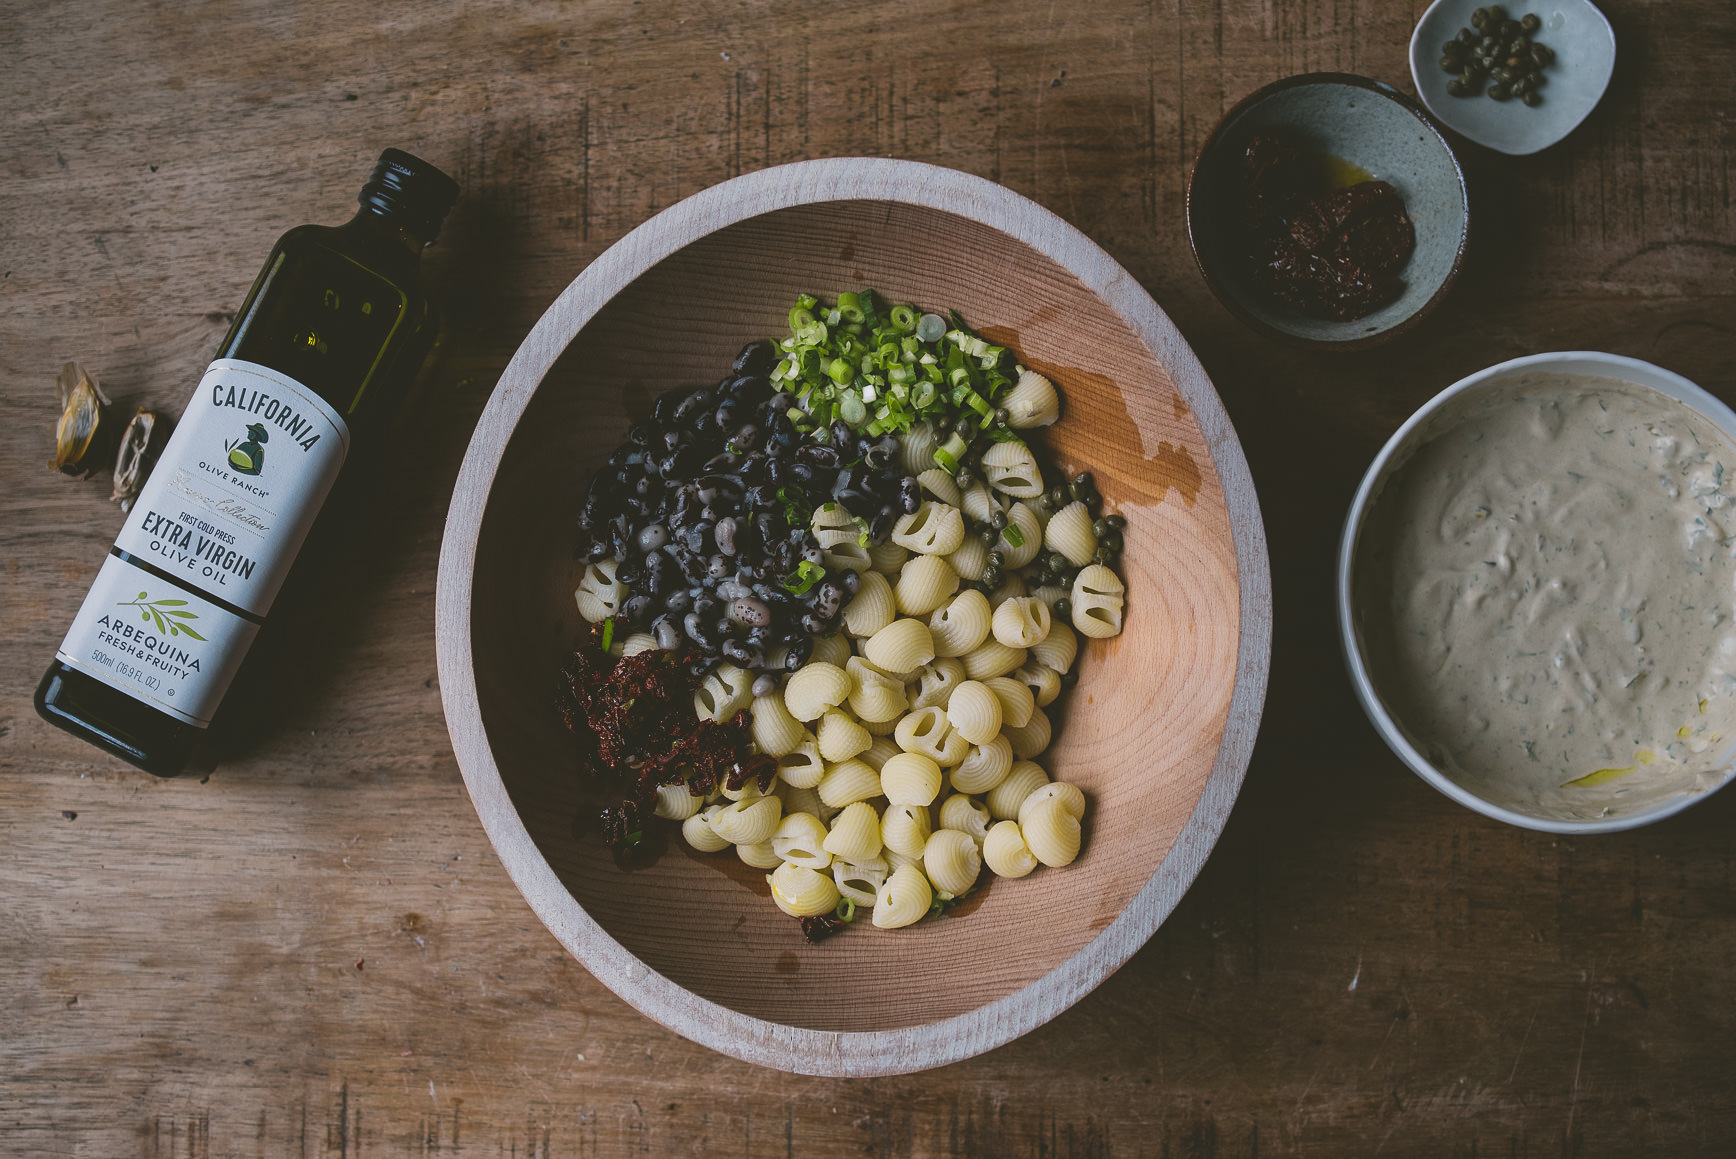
x=157 y=609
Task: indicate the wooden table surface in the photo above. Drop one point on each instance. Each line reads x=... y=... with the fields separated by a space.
x=314 y=952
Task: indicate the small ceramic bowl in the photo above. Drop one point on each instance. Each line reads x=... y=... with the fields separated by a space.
x=1584 y=46
x=1355 y=625
x=1370 y=126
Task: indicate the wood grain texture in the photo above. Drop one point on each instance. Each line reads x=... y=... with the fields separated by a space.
x=1362 y=967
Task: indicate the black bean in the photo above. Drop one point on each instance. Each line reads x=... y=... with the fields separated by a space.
x=751 y=612
x=909 y=494
x=883 y=521
x=765 y=684
x=1063 y=608
x=696 y=536
x=718 y=568
x=636 y=608
x=813 y=623
x=1533 y=99
x=724 y=534
x=851 y=582
x=819 y=455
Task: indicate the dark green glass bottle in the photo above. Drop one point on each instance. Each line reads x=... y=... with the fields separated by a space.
x=319 y=358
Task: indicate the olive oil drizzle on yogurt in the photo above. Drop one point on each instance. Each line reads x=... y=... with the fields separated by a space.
x=1549 y=596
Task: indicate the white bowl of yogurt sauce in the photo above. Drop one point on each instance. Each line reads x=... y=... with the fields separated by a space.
x=1537 y=592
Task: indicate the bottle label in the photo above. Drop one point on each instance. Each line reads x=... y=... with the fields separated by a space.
x=224 y=512
x=232 y=497
x=162 y=643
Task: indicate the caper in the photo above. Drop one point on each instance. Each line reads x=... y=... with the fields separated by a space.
x=1076 y=490
x=997 y=558
x=1536 y=77
x=963 y=478
x=1507 y=76
x=1532 y=99
x=1100 y=528
x=1520 y=86
x=1057 y=562
x=1542 y=54
x=1117 y=522
x=1452 y=63
x=1514 y=62
x=1497 y=15
x=1467 y=37
x=1111 y=540
x=992 y=576
x=1003 y=416
x=1063 y=608
x=1509 y=29
x=1479 y=18
x=1106 y=554
x=1058 y=497
x=1084 y=479
x=1092 y=499
x=1453 y=48
x=1500 y=92
x=998 y=520
x=1459 y=88
x=942 y=426
x=990 y=537
x=1530 y=22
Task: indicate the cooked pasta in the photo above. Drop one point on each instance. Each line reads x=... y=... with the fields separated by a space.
x=1057 y=649
x=879 y=728
x=855 y=833
x=1023 y=525
x=849 y=555
x=991 y=658
x=1097 y=601
x=872 y=608
x=748 y=822
x=896 y=860
x=599 y=594
x=803 y=766
x=875 y=697
x=971 y=559
x=979 y=502
x=1025 y=778
x=974 y=712
x=929 y=732
x=847 y=782
x=1068 y=794
x=935 y=682
x=910 y=779
x=1051 y=831
x=676 y=803
x=814 y=688
x=1016 y=699
x=939 y=484
x=1005 y=851
x=965 y=813
x=638 y=642
x=802 y=801
x=1069 y=532
x=1033 y=402
x=886 y=558
x=924 y=583
x=903 y=898
x=800 y=840
x=1011 y=469
x=905 y=829
x=984 y=767
x=760 y=855
x=1021 y=622
x=775 y=731
x=902 y=646
x=962 y=624
x=880 y=750
x=860 y=881
x=802 y=892
x=833 y=650
x=831 y=516
x=952 y=861
x=841 y=738
x=724 y=693
x=932 y=529
x=697 y=831
x=1032 y=738
x=916 y=449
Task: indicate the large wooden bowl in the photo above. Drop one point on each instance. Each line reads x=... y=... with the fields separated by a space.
x=1158 y=731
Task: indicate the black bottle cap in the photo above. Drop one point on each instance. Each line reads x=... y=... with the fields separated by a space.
x=408 y=188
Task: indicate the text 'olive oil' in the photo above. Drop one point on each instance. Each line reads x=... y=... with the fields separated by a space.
x=320 y=354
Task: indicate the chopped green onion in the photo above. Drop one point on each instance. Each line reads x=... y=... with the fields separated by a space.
x=903 y=318
x=1014 y=537
x=845 y=911
x=608 y=633
x=806 y=575
x=931 y=328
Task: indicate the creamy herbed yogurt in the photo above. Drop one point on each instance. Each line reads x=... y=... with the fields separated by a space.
x=1546 y=595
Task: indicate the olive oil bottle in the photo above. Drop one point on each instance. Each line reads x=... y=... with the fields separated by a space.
x=318 y=358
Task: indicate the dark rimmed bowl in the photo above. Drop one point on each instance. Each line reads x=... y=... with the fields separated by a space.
x=1369 y=125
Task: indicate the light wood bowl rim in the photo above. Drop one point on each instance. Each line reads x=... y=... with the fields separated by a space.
x=805 y=1051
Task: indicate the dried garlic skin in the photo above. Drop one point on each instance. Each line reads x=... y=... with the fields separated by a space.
x=141 y=443
x=80 y=434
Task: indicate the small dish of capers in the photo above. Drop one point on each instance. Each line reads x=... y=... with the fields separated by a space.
x=1541 y=72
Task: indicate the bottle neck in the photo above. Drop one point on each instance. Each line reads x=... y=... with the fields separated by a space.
x=390 y=229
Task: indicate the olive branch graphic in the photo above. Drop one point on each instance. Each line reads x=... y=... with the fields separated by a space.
x=157 y=609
